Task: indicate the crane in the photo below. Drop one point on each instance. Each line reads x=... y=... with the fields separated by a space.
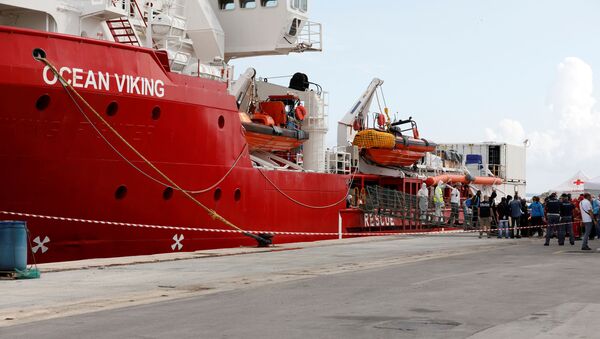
x=358 y=113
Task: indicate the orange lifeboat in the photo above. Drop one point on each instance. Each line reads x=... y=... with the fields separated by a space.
x=392 y=148
x=274 y=126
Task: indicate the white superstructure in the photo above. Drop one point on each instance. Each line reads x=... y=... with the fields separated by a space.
x=503 y=160
x=200 y=36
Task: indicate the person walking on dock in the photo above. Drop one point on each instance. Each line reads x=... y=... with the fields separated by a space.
x=566 y=221
x=553 y=216
x=454 y=206
x=587 y=217
x=503 y=213
x=423 y=200
x=485 y=216
x=438 y=200
x=537 y=216
x=515 y=216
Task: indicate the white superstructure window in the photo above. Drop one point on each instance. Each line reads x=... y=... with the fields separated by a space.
x=300 y=4
x=248 y=3
x=227 y=5
x=268 y=3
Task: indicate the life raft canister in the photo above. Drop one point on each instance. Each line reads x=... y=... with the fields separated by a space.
x=381 y=120
x=300 y=112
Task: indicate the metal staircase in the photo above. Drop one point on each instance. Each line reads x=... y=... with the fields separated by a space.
x=122 y=31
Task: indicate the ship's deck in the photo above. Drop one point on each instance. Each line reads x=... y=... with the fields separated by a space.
x=451 y=286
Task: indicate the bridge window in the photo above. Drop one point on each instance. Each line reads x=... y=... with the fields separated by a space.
x=248 y=3
x=300 y=4
x=227 y=5
x=268 y=3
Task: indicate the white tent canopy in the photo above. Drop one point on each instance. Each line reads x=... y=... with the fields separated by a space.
x=579 y=183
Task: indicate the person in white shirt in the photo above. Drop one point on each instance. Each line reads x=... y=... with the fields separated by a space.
x=454 y=206
x=587 y=218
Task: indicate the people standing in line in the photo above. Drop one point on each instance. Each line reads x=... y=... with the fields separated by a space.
x=503 y=213
x=438 y=200
x=587 y=217
x=515 y=216
x=467 y=211
x=537 y=216
x=454 y=206
x=423 y=201
x=553 y=216
x=485 y=217
x=566 y=221
x=475 y=208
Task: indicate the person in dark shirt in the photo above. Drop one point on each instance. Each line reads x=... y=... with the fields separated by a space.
x=515 y=216
x=475 y=201
x=526 y=231
x=485 y=216
x=502 y=210
x=552 y=205
x=566 y=221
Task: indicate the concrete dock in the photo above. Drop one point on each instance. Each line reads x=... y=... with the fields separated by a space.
x=436 y=286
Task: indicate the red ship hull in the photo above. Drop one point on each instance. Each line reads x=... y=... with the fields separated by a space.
x=53 y=162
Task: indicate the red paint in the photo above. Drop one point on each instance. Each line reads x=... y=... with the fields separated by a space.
x=54 y=163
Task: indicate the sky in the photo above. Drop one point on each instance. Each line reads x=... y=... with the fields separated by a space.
x=467 y=71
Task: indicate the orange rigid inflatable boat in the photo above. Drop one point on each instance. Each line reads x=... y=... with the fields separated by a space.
x=275 y=126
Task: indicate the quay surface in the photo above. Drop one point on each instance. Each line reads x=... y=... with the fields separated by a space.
x=435 y=286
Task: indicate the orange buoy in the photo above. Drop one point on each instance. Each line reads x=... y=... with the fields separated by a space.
x=381 y=120
x=300 y=112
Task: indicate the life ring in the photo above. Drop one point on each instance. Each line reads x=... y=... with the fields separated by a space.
x=381 y=120
x=300 y=112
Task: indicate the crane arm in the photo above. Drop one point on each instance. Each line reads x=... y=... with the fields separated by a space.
x=358 y=111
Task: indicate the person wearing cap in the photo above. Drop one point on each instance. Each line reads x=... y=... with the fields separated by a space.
x=587 y=218
x=552 y=205
x=566 y=221
x=485 y=216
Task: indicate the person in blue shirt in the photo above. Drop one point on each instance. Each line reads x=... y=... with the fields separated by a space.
x=537 y=216
x=467 y=211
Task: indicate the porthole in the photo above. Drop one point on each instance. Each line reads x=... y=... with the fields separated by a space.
x=42 y=102
x=221 y=121
x=156 y=113
x=168 y=193
x=237 y=195
x=217 y=194
x=112 y=108
x=121 y=192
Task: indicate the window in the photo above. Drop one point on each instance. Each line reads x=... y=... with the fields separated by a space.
x=300 y=4
x=304 y=5
x=248 y=3
x=268 y=3
x=227 y=5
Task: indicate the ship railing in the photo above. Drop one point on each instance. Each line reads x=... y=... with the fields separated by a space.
x=310 y=37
